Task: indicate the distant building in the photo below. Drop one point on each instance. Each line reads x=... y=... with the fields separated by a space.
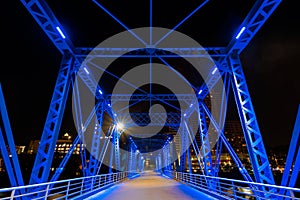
x=62 y=145
x=234 y=135
x=20 y=149
x=33 y=147
x=2 y=168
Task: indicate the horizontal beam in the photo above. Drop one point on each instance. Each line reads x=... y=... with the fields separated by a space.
x=150 y=52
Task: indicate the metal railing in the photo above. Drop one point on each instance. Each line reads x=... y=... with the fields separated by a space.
x=65 y=189
x=233 y=189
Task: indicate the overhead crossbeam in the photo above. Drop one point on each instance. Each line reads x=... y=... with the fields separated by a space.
x=125 y=52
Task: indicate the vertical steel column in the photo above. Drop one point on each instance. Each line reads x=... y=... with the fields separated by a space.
x=183 y=149
x=41 y=168
x=116 y=138
x=205 y=146
x=253 y=138
x=95 y=147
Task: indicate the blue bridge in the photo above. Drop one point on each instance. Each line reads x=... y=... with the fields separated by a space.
x=150 y=105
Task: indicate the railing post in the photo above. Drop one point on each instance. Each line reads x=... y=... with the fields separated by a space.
x=233 y=189
x=12 y=194
x=92 y=185
x=82 y=182
x=68 y=187
x=47 y=190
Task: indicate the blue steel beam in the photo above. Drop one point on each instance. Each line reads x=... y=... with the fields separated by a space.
x=63 y=163
x=44 y=156
x=256 y=149
x=43 y=15
x=230 y=150
x=50 y=25
x=10 y=158
x=126 y=52
x=158 y=119
x=258 y=15
x=95 y=147
x=205 y=143
x=293 y=158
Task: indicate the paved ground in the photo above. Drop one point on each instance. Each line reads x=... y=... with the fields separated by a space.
x=150 y=186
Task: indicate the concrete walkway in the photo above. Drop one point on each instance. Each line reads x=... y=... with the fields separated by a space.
x=150 y=186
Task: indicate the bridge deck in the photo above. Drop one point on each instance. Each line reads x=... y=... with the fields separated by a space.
x=150 y=186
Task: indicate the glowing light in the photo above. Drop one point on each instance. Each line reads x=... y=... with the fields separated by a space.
x=213 y=72
x=86 y=71
x=60 y=32
x=100 y=92
x=109 y=105
x=191 y=105
x=184 y=114
x=240 y=33
x=200 y=92
x=120 y=126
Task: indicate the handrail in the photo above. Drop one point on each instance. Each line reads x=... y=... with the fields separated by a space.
x=65 y=189
x=231 y=188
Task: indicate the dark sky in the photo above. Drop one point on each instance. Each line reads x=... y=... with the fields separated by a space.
x=30 y=61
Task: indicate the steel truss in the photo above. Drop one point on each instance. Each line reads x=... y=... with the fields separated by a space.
x=229 y=67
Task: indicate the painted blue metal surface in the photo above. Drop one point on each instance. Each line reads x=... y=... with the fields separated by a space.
x=226 y=59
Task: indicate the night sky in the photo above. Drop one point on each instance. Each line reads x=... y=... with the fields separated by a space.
x=30 y=61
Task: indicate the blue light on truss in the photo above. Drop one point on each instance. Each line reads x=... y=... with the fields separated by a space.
x=100 y=92
x=85 y=69
x=60 y=32
x=200 y=92
x=240 y=33
x=213 y=72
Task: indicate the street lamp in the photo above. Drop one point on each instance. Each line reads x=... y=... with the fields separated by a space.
x=120 y=127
